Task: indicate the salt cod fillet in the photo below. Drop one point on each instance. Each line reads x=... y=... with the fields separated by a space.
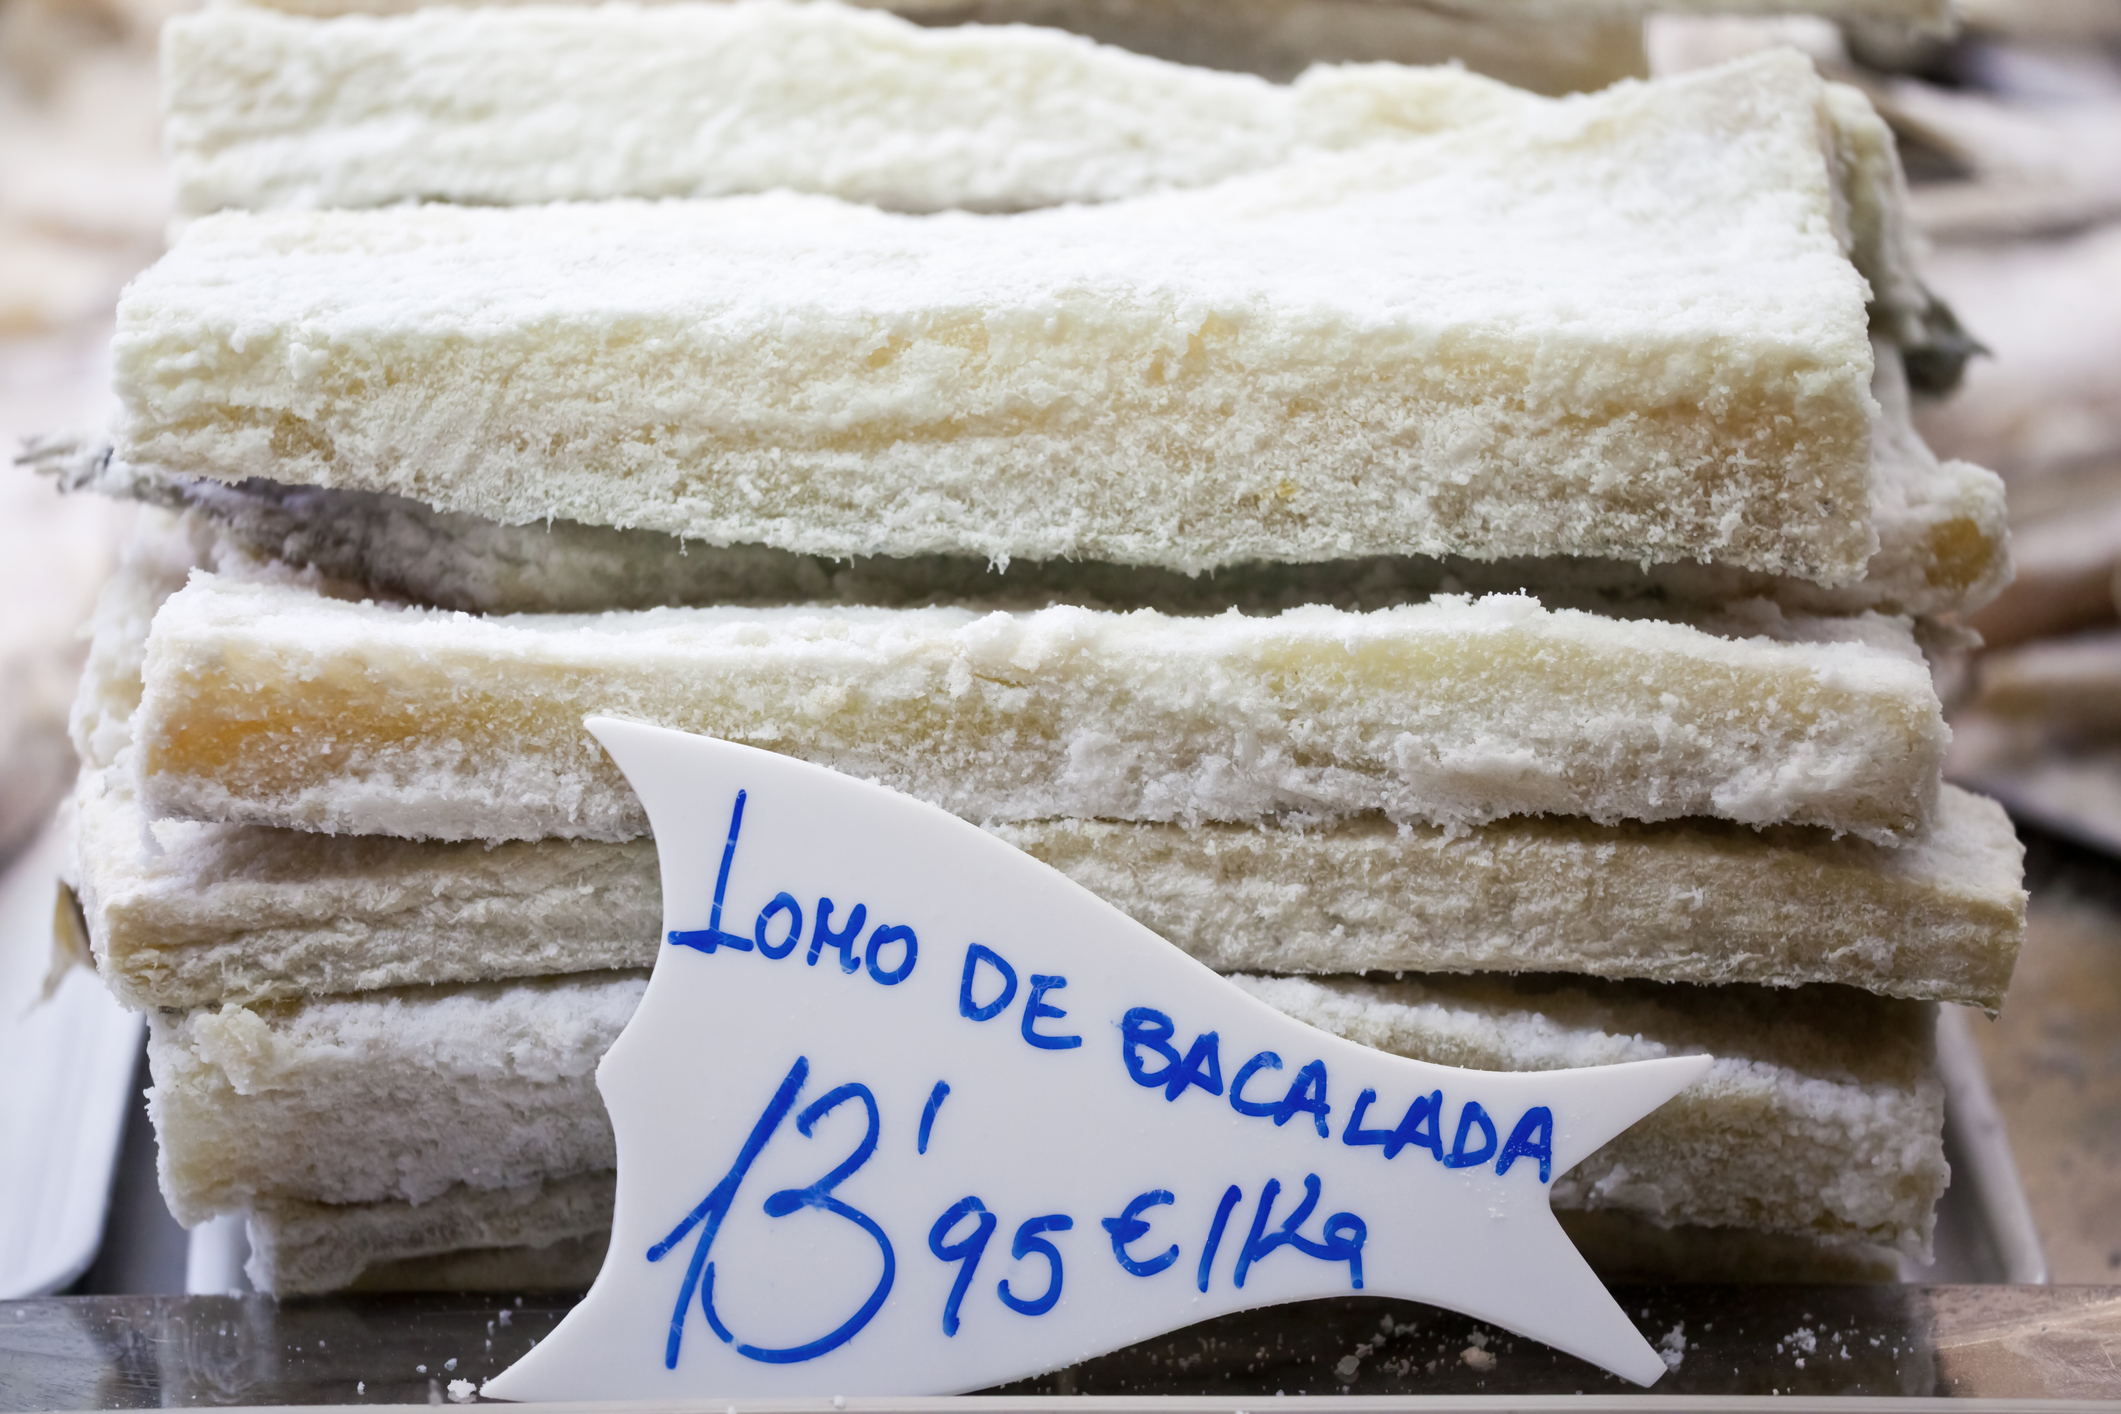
x=236 y=913
x=563 y=1265
x=155 y=562
x=165 y=547
x=512 y=106
x=266 y=704
x=1821 y=1114
x=1943 y=548
x=1623 y=327
x=384 y=1095
x=509 y=106
x=537 y=1236
x=1940 y=918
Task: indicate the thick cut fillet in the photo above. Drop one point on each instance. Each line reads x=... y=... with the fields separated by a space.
x=562 y=1265
x=384 y=1094
x=1944 y=536
x=1888 y=248
x=510 y=106
x=515 y=106
x=1943 y=548
x=1821 y=1114
x=155 y=562
x=542 y=1235
x=1943 y=533
x=267 y=704
x=182 y=914
x=1622 y=327
x=243 y=913
x=1940 y=918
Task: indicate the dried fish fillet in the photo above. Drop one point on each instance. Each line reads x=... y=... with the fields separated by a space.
x=242 y=913
x=1622 y=327
x=268 y=704
x=1820 y=1116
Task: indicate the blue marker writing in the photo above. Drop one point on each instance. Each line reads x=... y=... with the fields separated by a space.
x=967 y=1249
x=1129 y=1227
x=708 y=938
x=977 y=956
x=1027 y=1243
x=936 y=1097
x=1035 y=1009
x=708 y=1216
x=1341 y=1240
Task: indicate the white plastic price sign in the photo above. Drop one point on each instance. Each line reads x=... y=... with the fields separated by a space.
x=904 y=1111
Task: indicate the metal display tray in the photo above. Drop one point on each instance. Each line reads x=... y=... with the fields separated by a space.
x=1795 y=1345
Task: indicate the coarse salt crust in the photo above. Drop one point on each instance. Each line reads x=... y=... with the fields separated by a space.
x=267 y=704
x=242 y=913
x=1821 y=1114
x=1621 y=327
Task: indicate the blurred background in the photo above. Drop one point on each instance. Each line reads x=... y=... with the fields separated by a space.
x=2010 y=130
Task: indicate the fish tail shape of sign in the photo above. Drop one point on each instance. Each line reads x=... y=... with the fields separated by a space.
x=905 y=1111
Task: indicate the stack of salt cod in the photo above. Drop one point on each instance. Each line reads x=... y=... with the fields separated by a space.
x=1463 y=571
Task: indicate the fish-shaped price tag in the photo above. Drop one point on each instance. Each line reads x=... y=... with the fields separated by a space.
x=905 y=1111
